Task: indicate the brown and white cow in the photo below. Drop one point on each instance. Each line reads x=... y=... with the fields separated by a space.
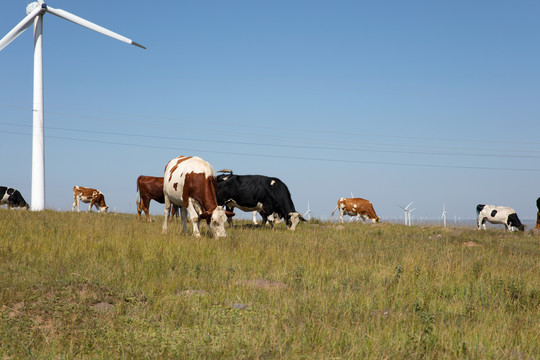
x=150 y=188
x=190 y=183
x=89 y=195
x=356 y=207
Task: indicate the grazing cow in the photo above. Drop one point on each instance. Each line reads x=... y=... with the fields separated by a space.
x=12 y=198
x=150 y=188
x=267 y=195
x=190 y=183
x=356 y=207
x=497 y=215
x=89 y=195
x=538 y=214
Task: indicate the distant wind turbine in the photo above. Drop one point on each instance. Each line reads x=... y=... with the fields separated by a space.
x=409 y=215
x=307 y=215
x=443 y=216
x=35 y=12
x=406 y=212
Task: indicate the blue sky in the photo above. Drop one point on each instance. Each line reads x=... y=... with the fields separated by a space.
x=394 y=101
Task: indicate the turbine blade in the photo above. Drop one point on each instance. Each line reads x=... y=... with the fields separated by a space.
x=90 y=25
x=20 y=27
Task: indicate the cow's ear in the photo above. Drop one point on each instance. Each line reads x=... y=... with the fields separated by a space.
x=205 y=215
x=302 y=218
x=229 y=214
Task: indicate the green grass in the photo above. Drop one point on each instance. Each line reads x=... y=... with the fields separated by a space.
x=79 y=285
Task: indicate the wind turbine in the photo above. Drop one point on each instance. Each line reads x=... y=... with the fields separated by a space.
x=308 y=212
x=406 y=212
x=409 y=214
x=35 y=12
x=443 y=216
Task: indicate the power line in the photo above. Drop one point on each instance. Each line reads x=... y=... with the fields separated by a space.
x=285 y=157
x=303 y=131
x=287 y=145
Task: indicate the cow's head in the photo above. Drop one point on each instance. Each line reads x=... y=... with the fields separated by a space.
x=376 y=219
x=22 y=204
x=103 y=209
x=513 y=220
x=293 y=219
x=216 y=220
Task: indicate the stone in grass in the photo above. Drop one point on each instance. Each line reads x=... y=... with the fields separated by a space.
x=103 y=307
x=239 y=306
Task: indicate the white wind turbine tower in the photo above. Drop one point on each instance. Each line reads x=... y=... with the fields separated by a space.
x=443 y=216
x=308 y=212
x=35 y=12
x=406 y=213
x=409 y=215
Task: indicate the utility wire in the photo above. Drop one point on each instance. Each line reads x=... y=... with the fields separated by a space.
x=288 y=146
x=153 y=118
x=284 y=157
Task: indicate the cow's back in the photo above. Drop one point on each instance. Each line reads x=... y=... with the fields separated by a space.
x=176 y=172
x=249 y=190
x=151 y=187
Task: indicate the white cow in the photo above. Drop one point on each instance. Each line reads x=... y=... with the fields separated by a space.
x=498 y=215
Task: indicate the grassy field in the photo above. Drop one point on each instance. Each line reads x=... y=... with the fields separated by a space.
x=103 y=286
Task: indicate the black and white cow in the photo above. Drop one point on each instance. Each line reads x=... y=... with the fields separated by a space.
x=498 y=215
x=12 y=198
x=269 y=196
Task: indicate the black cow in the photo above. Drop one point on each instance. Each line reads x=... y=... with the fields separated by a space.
x=12 y=198
x=267 y=195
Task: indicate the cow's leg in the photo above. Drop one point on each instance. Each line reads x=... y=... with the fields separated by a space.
x=254 y=218
x=174 y=212
x=341 y=216
x=75 y=203
x=195 y=220
x=229 y=219
x=146 y=209
x=537 y=220
x=183 y=216
x=166 y=212
x=91 y=204
x=481 y=223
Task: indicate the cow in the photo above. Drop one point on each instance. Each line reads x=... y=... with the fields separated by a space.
x=269 y=196
x=150 y=188
x=190 y=183
x=538 y=214
x=356 y=207
x=89 y=195
x=498 y=215
x=12 y=197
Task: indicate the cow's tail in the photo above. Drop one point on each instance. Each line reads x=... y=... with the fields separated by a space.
x=334 y=210
x=137 y=202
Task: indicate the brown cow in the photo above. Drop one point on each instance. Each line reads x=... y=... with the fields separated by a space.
x=150 y=188
x=89 y=195
x=356 y=207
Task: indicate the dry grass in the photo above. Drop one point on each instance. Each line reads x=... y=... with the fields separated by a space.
x=106 y=286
